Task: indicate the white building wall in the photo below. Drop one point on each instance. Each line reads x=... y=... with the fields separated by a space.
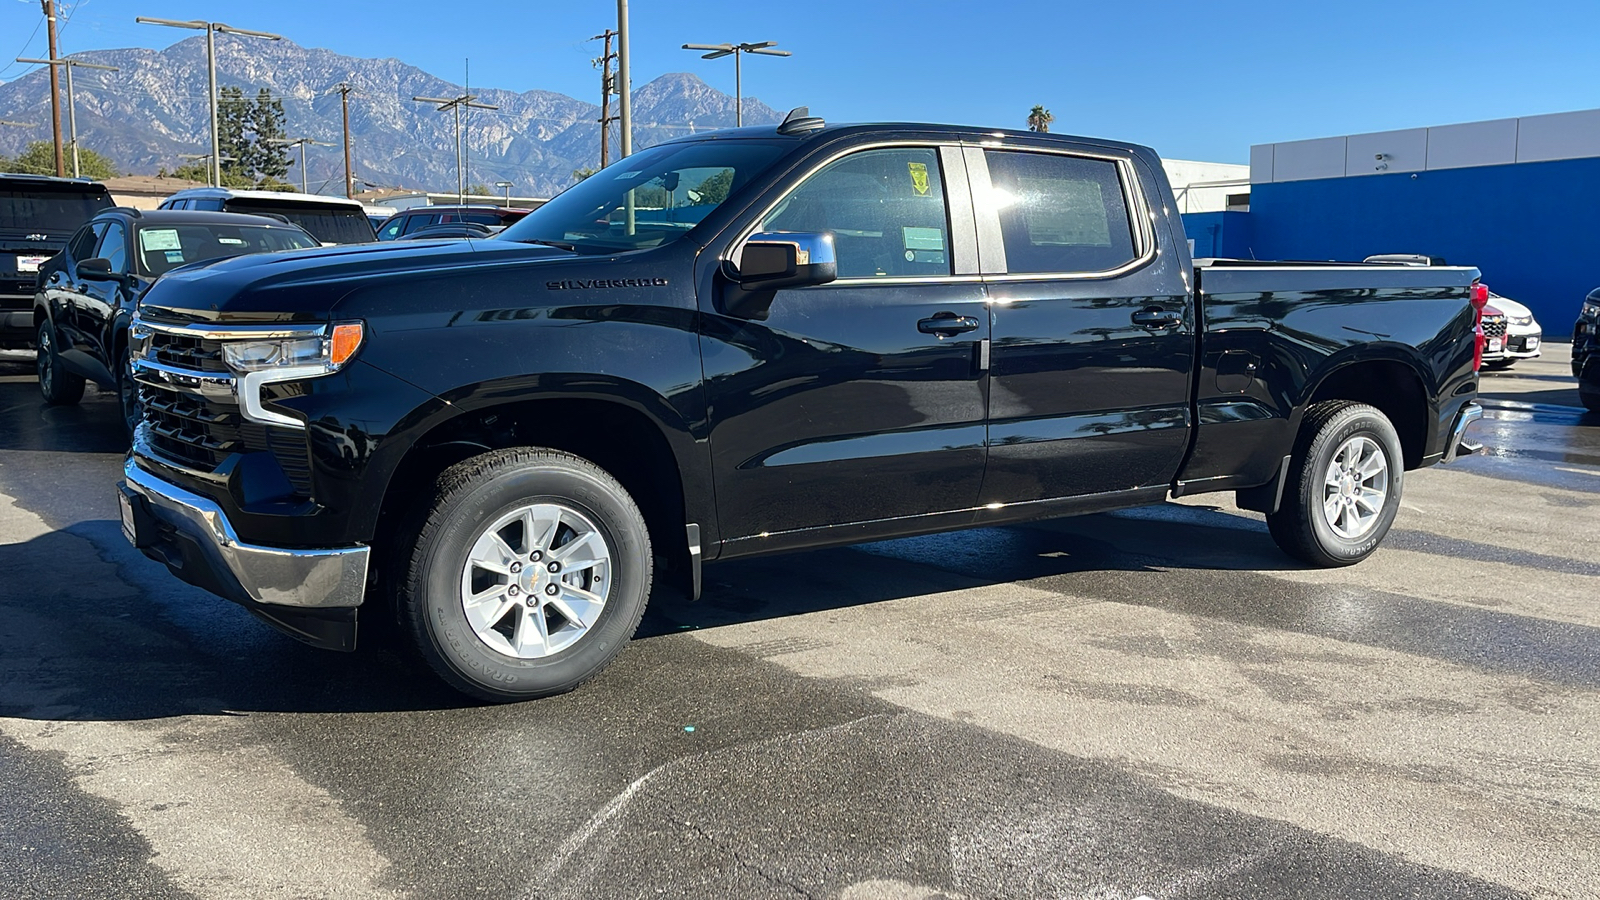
x=1205 y=186
x=1571 y=135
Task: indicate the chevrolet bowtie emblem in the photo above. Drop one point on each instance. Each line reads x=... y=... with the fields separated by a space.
x=38 y=237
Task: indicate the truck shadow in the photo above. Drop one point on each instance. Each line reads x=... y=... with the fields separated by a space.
x=91 y=426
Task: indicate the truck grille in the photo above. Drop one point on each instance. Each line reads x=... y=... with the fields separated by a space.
x=1494 y=326
x=201 y=431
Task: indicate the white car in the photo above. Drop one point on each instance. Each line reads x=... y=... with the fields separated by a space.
x=1523 y=335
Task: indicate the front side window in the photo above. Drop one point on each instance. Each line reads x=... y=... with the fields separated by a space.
x=1060 y=213
x=82 y=244
x=884 y=208
x=649 y=199
x=421 y=221
x=391 y=228
x=114 y=247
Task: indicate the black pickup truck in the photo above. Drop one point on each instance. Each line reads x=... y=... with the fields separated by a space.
x=755 y=341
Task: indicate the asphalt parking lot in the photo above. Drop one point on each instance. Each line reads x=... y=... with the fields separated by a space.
x=1154 y=703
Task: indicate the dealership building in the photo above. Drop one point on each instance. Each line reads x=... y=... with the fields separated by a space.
x=1516 y=198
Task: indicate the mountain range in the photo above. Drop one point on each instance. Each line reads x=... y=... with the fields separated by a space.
x=154 y=109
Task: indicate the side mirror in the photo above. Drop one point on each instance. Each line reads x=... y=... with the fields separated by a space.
x=97 y=269
x=772 y=260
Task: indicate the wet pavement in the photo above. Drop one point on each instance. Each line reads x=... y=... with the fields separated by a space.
x=1153 y=703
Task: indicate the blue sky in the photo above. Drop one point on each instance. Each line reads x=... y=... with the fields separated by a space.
x=1194 y=80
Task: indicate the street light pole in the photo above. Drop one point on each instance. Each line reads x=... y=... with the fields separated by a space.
x=735 y=50
x=455 y=105
x=508 y=185
x=72 y=106
x=211 y=29
x=625 y=88
x=301 y=143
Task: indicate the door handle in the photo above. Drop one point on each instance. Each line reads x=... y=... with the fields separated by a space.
x=947 y=325
x=1154 y=317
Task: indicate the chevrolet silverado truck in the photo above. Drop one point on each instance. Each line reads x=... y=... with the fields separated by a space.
x=756 y=341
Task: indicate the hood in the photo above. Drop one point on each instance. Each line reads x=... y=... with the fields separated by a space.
x=1508 y=306
x=306 y=285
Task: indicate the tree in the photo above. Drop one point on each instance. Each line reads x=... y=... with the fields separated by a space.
x=269 y=158
x=478 y=190
x=39 y=158
x=581 y=174
x=715 y=189
x=1039 y=119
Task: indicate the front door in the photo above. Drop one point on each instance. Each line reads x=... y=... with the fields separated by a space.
x=1093 y=332
x=855 y=400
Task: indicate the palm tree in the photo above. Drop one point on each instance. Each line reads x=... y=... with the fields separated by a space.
x=1039 y=119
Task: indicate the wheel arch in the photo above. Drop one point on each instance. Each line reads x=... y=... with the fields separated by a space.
x=1393 y=383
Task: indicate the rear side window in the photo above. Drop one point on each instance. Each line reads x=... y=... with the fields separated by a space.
x=421 y=220
x=1060 y=213
x=884 y=208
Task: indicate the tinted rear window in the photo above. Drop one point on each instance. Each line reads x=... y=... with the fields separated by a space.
x=57 y=211
x=328 y=224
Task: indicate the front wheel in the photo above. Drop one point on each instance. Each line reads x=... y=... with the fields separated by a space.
x=59 y=387
x=528 y=576
x=1344 y=486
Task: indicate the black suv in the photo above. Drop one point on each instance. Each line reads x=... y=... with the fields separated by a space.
x=88 y=292
x=37 y=214
x=409 y=221
x=1586 y=351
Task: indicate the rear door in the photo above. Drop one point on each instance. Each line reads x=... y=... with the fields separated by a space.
x=861 y=399
x=1092 y=326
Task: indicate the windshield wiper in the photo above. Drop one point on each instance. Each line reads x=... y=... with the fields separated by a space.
x=560 y=244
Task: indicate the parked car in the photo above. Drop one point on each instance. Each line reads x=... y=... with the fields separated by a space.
x=37 y=215
x=87 y=293
x=1494 y=323
x=1523 y=336
x=377 y=215
x=331 y=220
x=408 y=221
x=1586 y=351
x=756 y=341
x=453 y=230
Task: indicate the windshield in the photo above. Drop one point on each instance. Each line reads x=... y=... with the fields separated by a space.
x=651 y=198
x=328 y=224
x=166 y=247
x=49 y=210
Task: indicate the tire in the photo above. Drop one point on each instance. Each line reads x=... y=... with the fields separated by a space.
x=579 y=514
x=1590 y=401
x=1329 y=519
x=128 y=397
x=59 y=387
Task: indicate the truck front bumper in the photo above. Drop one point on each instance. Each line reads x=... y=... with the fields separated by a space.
x=311 y=594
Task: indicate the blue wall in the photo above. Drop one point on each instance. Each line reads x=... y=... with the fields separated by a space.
x=1224 y=234
x=1533 y=228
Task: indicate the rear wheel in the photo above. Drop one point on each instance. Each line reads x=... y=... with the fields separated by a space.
x=528 y=576
x=59 y=387
x=1344 y=486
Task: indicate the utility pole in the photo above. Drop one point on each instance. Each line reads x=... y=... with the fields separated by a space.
x=211 y=29
x=735 y=50
x=624 y=87
x=72 y=106
x=55 y=86
x=301 y=143
x=608 y=86
x=344 y=90
x=455 y=105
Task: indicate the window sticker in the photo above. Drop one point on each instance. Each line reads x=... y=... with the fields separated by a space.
x=174 y=256
x=919 y=178
x=159 y=239
x=237 y=242
x=922 y=238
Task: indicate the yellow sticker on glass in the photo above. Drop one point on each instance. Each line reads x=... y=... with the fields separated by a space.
x=919 y=178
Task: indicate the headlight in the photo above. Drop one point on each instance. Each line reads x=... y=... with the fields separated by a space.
x=1590 y=310
x=1522 y=320
x=306 y=356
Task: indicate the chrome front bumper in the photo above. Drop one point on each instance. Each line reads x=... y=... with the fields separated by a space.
x=193 y=537
x=1457 y=445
